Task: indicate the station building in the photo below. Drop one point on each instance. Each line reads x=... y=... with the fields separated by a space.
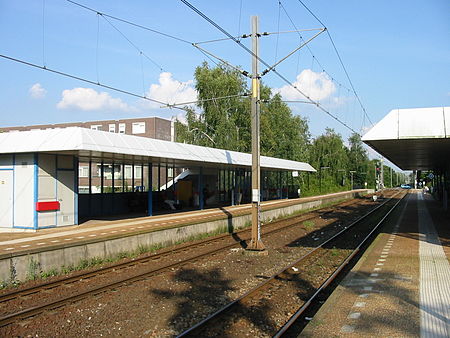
x=63 y=176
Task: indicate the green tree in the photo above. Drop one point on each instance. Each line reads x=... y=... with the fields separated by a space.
x=282 y=134
x=225 y=123
x=222 y=123
x=328 y=155
x=358 y=161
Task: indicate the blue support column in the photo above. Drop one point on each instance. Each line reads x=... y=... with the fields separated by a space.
x=76 y=181
x=174 y=192
x=102 y=174
x=279 y=186
x=132 y=177
x=112 y=186
x=123 y=176
x=200 y=189
x=102 y=182
x=159 y=177
x=36 y=187
x=90 y=187
x=150 y=190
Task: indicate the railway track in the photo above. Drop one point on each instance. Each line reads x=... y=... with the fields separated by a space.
x=212 y=246
x=267 y=309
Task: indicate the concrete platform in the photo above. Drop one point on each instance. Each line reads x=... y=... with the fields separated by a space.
x=401 y=285
x=53 y=248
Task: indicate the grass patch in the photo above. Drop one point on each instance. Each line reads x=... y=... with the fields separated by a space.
x=33 y=269
x=309 y=225
x=49 y=273
x=34 y=272
x=304 y=211
x=334 y=252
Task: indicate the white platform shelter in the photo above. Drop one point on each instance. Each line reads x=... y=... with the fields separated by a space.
x=416 y=139
x=39 y=169
x=413 y=139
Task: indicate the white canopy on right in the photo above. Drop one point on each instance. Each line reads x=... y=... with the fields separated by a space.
x=413 y=139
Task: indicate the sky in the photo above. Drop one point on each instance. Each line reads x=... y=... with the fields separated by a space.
x=397 y=55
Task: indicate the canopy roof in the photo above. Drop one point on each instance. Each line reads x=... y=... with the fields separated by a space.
x=95 y=145
x=413 y=138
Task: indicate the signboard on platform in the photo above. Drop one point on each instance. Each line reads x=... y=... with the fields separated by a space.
x=255 y=195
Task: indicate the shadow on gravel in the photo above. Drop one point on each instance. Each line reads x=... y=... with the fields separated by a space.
x=198 y=294
x=339 y=221
x=204 y=293
x=230 y=229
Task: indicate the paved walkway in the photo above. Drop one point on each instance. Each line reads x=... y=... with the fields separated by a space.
x=45 y=238
x=401 y=286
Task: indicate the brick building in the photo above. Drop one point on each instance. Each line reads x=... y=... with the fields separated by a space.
x=130 y=176
x=153 y=127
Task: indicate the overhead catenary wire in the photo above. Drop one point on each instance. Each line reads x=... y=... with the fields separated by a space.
x=278 y=36
x=219 y=40
x=80 y=79
x=213 y=23
x=340 y=59
x=75 y=77
x=209 y=55
x=310 y=50
x=154 y=31
x=130 y=23
x=133 y=44
x=244 y=36
x=205 y=53
x=239 y=22
x=204 y=100
x=43 y=33
x=96 y=51
x=292 y=52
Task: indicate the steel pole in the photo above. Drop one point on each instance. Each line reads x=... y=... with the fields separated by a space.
x=256 y=243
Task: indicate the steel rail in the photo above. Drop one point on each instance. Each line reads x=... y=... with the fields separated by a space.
x=32 y=311
x=194 y=330
x=328 y=281
x=168 y=251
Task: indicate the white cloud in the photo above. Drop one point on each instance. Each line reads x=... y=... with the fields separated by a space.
x=37 y=91
x=317 y=86
x=88 y=99
x=172 y=91
x=181 y=117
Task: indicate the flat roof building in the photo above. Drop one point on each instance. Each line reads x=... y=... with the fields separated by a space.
x=40 y=176
x=152 y=127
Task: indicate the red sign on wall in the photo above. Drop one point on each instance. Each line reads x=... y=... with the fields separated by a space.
x=47 y=206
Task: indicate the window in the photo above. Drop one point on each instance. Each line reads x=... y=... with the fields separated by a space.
x=112 y=128
x=96 y=127
x=83 y=171
x=83 y=190
x=138 y=128
x=137 y=171
x=128 y=171
x=121 y=128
